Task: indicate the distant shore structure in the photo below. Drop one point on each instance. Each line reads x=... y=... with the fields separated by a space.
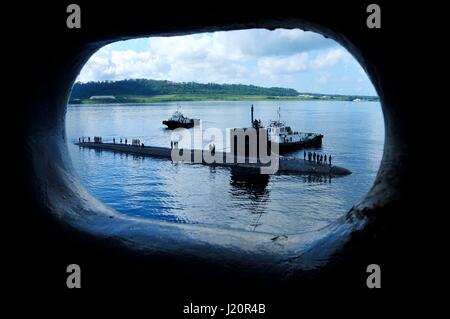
x=102 y=97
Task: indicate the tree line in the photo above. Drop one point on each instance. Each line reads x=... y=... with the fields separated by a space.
x=145 y=87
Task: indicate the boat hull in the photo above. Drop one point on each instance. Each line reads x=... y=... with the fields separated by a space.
x=171 y=125
x=314 y=142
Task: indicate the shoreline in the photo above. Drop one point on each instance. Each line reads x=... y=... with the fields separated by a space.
x=206 y=98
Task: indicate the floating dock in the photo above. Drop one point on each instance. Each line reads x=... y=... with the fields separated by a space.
x=286 y=164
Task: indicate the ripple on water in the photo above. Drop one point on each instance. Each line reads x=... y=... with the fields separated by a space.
x=280 y=204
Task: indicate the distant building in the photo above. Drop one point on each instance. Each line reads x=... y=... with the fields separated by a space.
x=102 y=97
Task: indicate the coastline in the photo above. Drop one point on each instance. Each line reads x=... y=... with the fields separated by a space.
x=208 y=97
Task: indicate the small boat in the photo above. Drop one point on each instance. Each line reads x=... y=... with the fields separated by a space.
x=289 y=140
x=179 y=120
x=286 y=138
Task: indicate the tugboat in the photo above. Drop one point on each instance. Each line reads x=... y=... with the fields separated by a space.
x=179 y=120
x=287 y=139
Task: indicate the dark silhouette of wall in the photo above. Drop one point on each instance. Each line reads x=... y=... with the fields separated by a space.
x=56 y=223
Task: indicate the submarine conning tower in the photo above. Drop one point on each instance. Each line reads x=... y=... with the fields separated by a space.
x=249 y=138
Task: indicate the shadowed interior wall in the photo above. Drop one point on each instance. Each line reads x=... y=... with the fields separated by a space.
x=55 y=210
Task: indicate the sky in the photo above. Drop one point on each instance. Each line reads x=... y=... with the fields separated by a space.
x=302 y=60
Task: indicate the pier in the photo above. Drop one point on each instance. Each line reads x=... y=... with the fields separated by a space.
x=286 y=164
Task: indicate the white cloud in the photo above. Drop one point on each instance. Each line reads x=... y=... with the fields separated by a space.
x=288 y=58
x=301 y=62
x=329 y=59
x=324 y=78
x=261 y=42
x=273 y=66
x=218 y=57
x=108 y=64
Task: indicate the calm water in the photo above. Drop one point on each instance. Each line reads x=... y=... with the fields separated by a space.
x=183 y=193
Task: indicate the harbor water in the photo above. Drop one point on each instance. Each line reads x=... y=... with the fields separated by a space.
x=222 y=197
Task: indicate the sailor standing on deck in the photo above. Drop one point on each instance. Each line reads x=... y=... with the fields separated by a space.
x=329 y=159
x=304 y=155
x=325 y=158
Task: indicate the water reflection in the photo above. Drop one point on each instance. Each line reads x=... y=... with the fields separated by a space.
x=317 y=179
x=249 y=183
x=253 y=186
x=224 y=197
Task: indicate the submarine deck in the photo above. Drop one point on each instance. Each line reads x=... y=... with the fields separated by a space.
x=286 y=164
